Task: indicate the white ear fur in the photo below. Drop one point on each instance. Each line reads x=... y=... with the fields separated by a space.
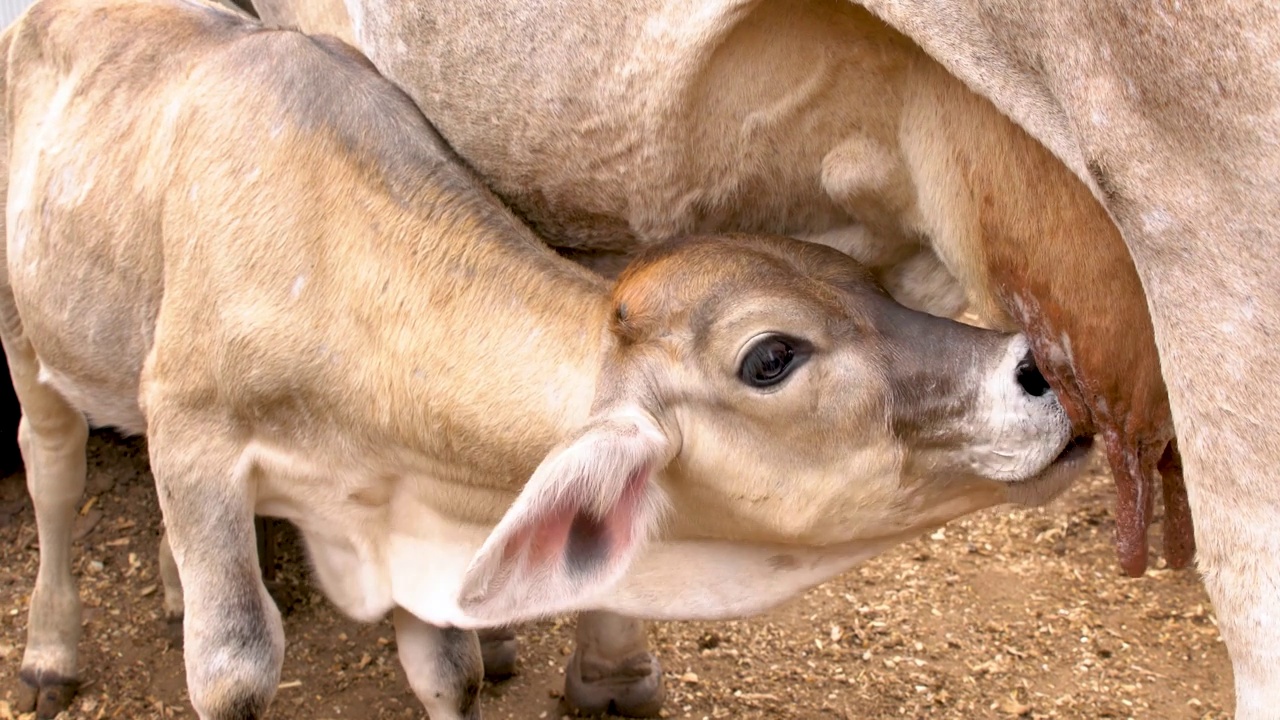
x=575 y=528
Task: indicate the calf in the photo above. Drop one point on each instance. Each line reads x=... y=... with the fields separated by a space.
x=250 y=246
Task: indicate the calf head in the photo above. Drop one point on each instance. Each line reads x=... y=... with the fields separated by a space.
x=765 y=390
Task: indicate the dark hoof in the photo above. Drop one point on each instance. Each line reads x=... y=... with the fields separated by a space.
x=46 y=698
x=498 y=648
x=631 y=689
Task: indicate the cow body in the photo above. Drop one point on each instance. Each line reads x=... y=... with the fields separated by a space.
x=252 y=247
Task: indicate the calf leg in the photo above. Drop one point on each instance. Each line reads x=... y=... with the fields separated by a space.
x=51 y=436
x=611 y=669
x=172 y=590
x=444 y=666
x=232 y=634
x=499 y=648
x=265 y=529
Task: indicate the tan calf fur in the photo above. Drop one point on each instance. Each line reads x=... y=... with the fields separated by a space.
x=312 y=16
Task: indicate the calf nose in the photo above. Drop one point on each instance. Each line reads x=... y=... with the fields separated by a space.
x=1029 y=376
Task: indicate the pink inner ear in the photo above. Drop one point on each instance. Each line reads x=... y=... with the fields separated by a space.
x=547 y=535
x=550 y=534
x=621 y=519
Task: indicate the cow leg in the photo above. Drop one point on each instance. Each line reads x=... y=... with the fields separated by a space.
x=499 y=648
x=265 y=529
x=444 y=666
x=233 y=637
x=1235 y=500
x=51 y=437
x=1216 y=316
x=611 y=669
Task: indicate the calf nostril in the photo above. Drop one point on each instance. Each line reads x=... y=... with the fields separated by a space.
x=1030 y=378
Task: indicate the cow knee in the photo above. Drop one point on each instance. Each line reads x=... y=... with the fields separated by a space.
x=233 y=664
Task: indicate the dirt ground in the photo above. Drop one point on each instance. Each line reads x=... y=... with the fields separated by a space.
x=1004 y=614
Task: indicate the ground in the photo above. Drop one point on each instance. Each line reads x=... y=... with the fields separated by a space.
x=1001 y=615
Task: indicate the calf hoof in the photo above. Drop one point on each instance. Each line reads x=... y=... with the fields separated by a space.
x=45 y=696
x=633 y=688
x=498 y=648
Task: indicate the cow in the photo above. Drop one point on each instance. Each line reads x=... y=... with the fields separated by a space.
x=609 y=131
x=252 y=247
x=1168 y=112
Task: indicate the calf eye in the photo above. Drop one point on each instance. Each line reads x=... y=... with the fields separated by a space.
x=770 y=360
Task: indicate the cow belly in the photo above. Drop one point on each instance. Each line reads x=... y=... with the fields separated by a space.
x=104 y=404
x=427 y=574
x=374 y=536
x=366 y=574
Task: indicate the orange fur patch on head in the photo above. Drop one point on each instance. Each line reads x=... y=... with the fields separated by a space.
x=688 y=276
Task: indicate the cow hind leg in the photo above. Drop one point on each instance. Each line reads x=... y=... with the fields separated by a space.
x=611 y=669
x=444 y=666
x=52 y=437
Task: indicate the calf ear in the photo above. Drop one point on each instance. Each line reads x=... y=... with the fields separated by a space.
x=575 y=528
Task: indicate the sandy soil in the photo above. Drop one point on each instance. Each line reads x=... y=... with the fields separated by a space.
x=1005 y=614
